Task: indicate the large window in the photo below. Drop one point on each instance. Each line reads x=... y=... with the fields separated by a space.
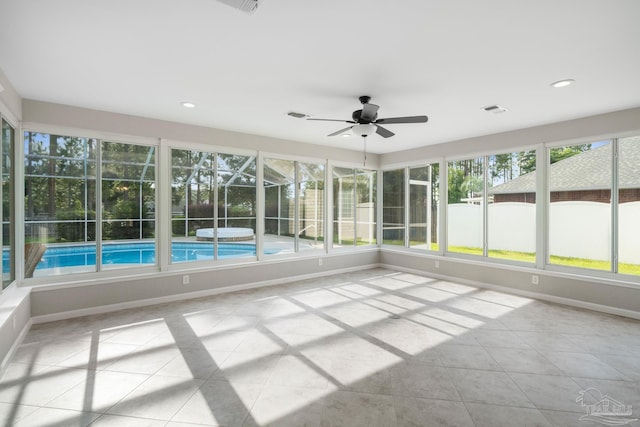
x=213 y=209
x=311 y=205
x=280 y=205
x=492 y=213
x=8 y=200
x=424 y=192
x=61 y=208
x=193 y=180
x=393 y=210
x=128 y=204
x=511 y=210
x=629 y=206
x=354 y=207
x=580 y=180
x=60 y=204
x=294 y=206
x=465 y=200
x=410 y=207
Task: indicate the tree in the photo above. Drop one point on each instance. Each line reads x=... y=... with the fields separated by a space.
x=561 y=153
x=527 y=161
x=464 y=178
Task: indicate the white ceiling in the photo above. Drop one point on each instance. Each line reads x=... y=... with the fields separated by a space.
x=445 y=59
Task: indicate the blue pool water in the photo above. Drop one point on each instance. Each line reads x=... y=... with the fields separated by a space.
x=139 y=253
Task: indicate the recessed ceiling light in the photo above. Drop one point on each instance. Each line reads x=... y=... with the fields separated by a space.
x=187 y=104
x=562 y=83
x=346 y=135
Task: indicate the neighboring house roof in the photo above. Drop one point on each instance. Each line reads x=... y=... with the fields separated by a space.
x=590 y=170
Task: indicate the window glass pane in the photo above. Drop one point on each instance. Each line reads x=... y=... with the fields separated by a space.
x=512 y=206
x=580 y=206
x=354 y=207
x=393 y=207
x=464 y=206
x=200 y=182
x=366 y=200
x=128 y=205
x=236 y=212
x=60 y=204
x=192 y=205
x=423 y=207
x=629 y=205
x=419 y=198
x=344 y=230
x=279 y=210
x=311 y=206
x=7 y=177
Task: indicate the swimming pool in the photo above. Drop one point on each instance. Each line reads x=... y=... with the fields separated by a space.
x=143 y=253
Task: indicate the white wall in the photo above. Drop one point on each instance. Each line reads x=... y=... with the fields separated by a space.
x=581 y=291
x=10 y=101
x=593 y=127
x=82 y=298
x=48 y=114
x=15 y=307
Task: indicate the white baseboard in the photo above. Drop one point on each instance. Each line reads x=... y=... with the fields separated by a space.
x=209 y=292
x=540 y=296
x=189 y=295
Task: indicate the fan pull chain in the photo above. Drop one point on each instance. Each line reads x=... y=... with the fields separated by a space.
x=364 y=137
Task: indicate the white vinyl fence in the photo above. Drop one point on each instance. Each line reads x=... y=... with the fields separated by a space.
x=576 y=229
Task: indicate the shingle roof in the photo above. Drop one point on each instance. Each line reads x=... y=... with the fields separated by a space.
x=590 y=170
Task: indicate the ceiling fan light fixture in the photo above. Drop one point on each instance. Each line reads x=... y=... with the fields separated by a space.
x=363 y=130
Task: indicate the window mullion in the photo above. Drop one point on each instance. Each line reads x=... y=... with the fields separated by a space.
x=296 y=207
x=614 y=205
x=99 y=204
x=485 y=207
x=216 y=201
x=407 y=192
x=260 y=190
x=164 y=222
x=542 y=206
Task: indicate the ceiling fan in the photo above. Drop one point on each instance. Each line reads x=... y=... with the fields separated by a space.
x=365 y=121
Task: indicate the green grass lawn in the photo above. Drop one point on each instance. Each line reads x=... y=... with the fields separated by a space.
x=632 y=269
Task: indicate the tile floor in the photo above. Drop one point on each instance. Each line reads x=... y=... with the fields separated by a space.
x=324 y=352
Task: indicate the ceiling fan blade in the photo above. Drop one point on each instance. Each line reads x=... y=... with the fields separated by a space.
x=411 y=119
x=369 y=112
x=331 y=120
x=340 y=131
x=385 y=133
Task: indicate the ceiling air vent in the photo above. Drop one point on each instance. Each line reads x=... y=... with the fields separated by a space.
x=248 y=6
x=495 y=109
